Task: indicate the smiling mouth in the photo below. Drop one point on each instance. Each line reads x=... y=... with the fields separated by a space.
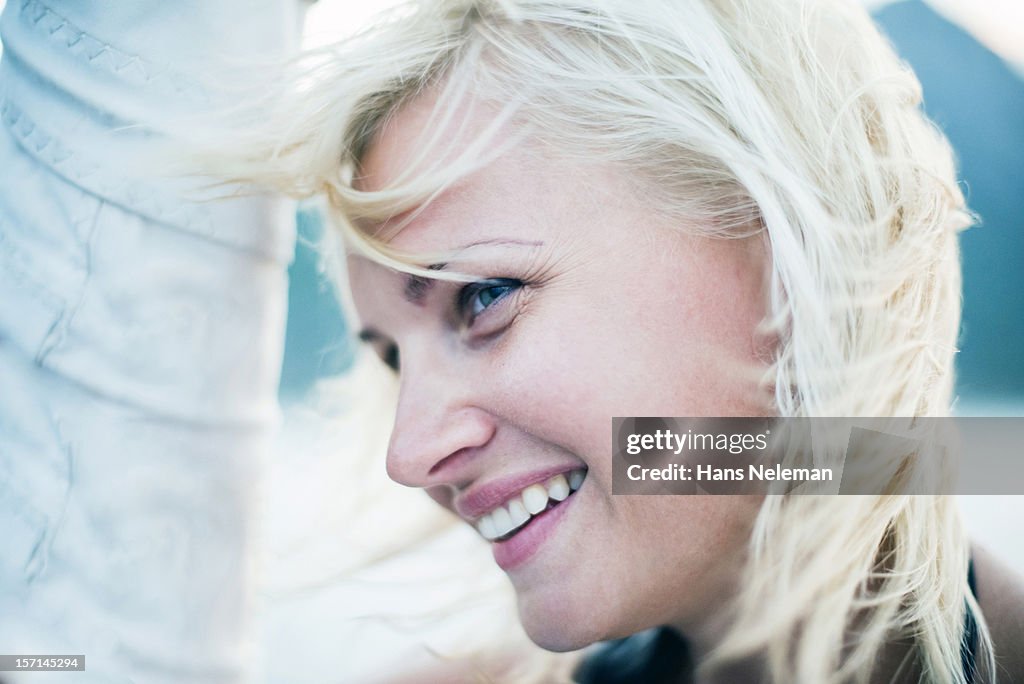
x=506 y=521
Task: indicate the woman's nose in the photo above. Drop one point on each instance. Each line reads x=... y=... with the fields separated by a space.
x=437 y=429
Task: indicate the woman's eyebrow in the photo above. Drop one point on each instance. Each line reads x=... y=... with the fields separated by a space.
x=417 y=287
x=501 y=241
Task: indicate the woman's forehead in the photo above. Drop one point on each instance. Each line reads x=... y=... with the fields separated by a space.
x=393 y=146
x=425 y=132
x=522 y=194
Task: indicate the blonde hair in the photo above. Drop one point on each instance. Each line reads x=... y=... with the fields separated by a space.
x=792 y=116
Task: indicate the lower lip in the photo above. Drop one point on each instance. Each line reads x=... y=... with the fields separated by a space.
x=513 y=552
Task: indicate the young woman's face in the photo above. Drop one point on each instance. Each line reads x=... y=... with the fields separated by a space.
x=588 y=306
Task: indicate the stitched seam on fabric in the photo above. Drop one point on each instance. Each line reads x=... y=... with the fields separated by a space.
x=52 y=153
x=124 y=193
x=90 y=49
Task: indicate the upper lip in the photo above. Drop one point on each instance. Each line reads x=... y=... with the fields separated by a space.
x=484 y=498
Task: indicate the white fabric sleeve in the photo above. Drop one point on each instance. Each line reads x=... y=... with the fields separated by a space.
x=141 y=335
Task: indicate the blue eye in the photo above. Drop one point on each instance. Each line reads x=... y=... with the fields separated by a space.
x=484 y=298
x=477 y=297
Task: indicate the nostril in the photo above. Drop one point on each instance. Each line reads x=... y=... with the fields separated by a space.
x=452 y=462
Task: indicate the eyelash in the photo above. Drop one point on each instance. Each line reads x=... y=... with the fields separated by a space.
x=465 y=299
x=468 y=297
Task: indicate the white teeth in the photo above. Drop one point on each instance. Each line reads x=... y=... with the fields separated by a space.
x=535 y=498
x=486 y=528
x=517 y=512
x=558 y=488
x=502 y=521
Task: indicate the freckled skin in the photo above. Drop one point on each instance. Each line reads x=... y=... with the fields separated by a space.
x=621 y=313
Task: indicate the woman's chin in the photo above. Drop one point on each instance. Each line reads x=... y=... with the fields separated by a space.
x=558 y=636
x=563 y=625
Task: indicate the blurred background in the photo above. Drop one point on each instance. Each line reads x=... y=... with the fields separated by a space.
x=323 y=621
